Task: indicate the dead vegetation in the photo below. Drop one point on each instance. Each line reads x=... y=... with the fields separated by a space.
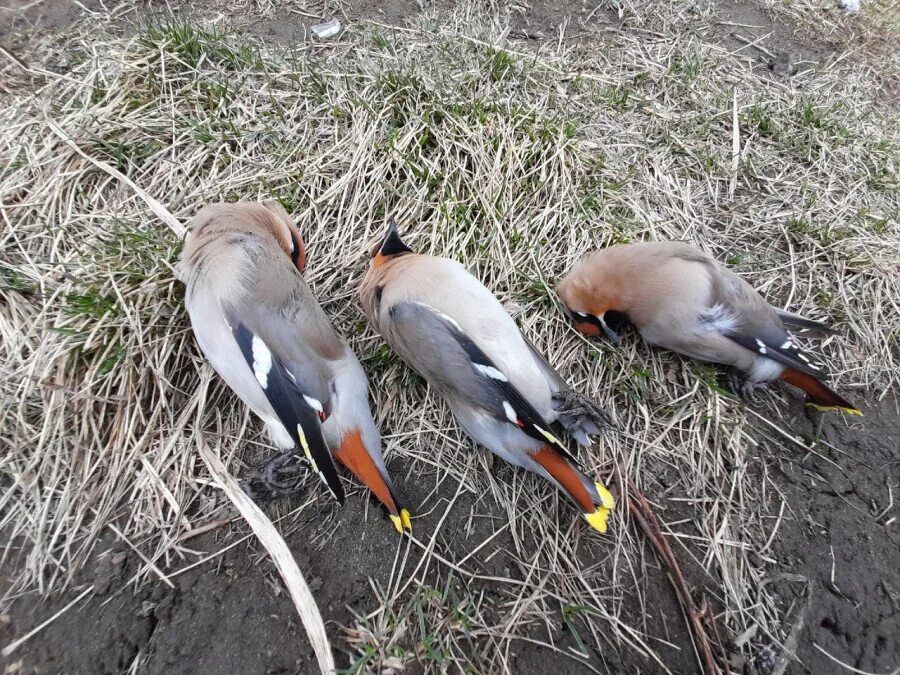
x=515 y=162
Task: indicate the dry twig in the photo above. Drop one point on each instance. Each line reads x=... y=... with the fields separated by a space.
x=642 y=512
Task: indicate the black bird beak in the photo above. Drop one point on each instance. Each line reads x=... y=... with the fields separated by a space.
x=590 y=324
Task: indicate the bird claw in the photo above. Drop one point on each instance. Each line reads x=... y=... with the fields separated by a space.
x=574 y=409
x=280 y=476
x=741 y=388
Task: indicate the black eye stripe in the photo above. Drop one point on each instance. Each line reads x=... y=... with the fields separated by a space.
x=584 y=317
x=295 y=249
x=378 y=292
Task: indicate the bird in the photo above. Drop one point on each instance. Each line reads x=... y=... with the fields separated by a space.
x=259 y=325
x=452 y=331
x=679 y=298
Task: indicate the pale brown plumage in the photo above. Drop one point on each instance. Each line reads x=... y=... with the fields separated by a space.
x=681 y=299
x=449 y=328
x=263 y=331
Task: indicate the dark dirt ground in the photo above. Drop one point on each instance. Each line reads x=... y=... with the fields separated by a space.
x=837 y=534
x=233 y=615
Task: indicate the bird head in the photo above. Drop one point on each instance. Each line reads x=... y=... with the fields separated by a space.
x=227 y=220
x=389 y=247
x=592 y=302
x=285 y=231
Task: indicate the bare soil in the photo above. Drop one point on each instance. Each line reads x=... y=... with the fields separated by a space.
x=233 y=615
x=835 y=535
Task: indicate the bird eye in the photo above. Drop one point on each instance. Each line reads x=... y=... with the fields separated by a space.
x=295 y=250
x=298 y=255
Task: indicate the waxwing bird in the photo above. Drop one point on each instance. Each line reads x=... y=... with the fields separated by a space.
x=262 y=330
x=451 y=330
x=681 y=299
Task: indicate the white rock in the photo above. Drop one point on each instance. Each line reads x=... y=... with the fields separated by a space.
x=849 y=5
x=327 y=29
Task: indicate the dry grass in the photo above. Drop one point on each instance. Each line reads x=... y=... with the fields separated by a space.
x=514 y=162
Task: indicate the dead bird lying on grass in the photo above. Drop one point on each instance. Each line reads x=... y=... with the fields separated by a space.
x=451 y=330
x=681 y=299
x=259 y=325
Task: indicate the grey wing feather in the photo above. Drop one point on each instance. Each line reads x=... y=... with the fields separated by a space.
x=807 y=326
x=286 y=315
x=283 y=334
x=436 y=347
x=758 y=327
x=574 y=420
x=423 y=339
x=557 y=383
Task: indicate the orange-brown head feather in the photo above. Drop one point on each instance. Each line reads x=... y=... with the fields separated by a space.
x=589 y=291
x=262 y=220
x=285 y=231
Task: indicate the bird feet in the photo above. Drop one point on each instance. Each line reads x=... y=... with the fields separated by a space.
x=278 y=477
x=735 y=383
x=577 y=411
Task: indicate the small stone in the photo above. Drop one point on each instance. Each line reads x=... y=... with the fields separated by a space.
x=784 y=64
x=765 y=661
x=323 y=31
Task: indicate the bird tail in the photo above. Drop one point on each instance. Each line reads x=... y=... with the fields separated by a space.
x=819 y=395
x=808 y=327
x=353 y=454
x=593 y=499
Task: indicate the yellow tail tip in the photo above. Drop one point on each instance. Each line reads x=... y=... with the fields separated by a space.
x=606 y=498
x=401 y=522
x=597 y=519
x=835 y=408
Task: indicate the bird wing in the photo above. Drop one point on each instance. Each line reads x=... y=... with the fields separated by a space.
x=757 y=326
x=774 y=342
x=801 y=323
x=438 y=349
x=299 y=411
x=291 y=347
